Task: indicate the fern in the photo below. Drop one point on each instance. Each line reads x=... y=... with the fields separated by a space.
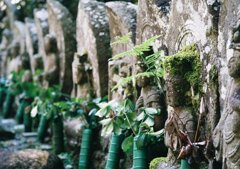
x=153 y=62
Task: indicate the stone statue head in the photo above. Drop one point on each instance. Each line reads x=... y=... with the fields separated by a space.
x=234 y=61
x=79 y=72
x=143 y=80
x=50 y=43
x=176 y=90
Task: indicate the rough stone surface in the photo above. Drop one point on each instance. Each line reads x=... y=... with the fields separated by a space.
x=61 y=25
x=41 y=20
x=32 y=45
x=29 y=159
x=7 y=129
x=93 y=39
x=122 y=21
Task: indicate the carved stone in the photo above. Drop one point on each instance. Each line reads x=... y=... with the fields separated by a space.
x=151 y=96
x=32 y=45
x=51 y=65
x=122 y=20
x=41 y=20
x=152 y=20
x=82 y=77
x=62 y=26
x=94 y=40
x=226 y=135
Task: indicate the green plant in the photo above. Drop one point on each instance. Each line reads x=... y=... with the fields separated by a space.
x=153 y=61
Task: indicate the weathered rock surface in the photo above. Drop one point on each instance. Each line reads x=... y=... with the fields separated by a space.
x=93 y=39
x=7 y=129
x=122 y=21
x=62 y=26
x=29 y=159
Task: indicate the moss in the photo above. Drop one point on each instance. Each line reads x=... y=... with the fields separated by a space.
x=213 y=74
x=186 y=64
x=156 y=161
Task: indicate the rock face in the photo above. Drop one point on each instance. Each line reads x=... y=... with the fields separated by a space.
x=122 y=21
x=29 y=159
x=62 y=27
x=93 y=40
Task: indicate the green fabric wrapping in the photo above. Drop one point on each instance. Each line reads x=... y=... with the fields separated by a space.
x=185 y=165
x=139 y=156
x=58 y=137
x=114 y=152
x=27 y=120
x=85 y=149
x=42 y=128
x=8 y=105
x=20 y=111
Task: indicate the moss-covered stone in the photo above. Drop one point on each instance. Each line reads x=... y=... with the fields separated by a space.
x=156 y=161
x=186 y=65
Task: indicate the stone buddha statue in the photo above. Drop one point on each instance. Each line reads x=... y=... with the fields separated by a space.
x=82 y=76
x=150 y=96
x=180 y=115
x=226 y=136
x=51 y=72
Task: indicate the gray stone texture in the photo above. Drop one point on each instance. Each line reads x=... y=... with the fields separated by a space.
x=93 y=39
x=61 y=25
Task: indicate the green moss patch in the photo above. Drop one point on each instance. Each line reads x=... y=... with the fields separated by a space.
x=156 y=161
x=186 y=64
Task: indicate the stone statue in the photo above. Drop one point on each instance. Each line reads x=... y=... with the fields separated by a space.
x=81 y=72
x=51 y=64
x=150 y=97
x=226 y=136
x=180 y=115
x=15 y=63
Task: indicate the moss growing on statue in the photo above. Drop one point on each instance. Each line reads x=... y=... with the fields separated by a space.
x=187 y=65
x=213 y=74
x=156 y=161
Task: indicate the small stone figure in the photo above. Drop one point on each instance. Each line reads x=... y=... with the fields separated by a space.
x=226 y=136
x=51 y=64
x=150 y=97
x=81 y=72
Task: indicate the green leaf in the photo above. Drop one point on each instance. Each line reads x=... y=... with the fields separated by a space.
x=127 y=145
x=152 y=111
x=105 y=122
x=107 y=130
x=103 y=112
x=149 y=121
x=141 y=116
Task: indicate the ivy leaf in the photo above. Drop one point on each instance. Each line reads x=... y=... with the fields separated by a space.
x=127 y=145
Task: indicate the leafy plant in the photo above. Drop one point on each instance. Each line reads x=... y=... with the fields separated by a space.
x=119 y=118
x=152 y=62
